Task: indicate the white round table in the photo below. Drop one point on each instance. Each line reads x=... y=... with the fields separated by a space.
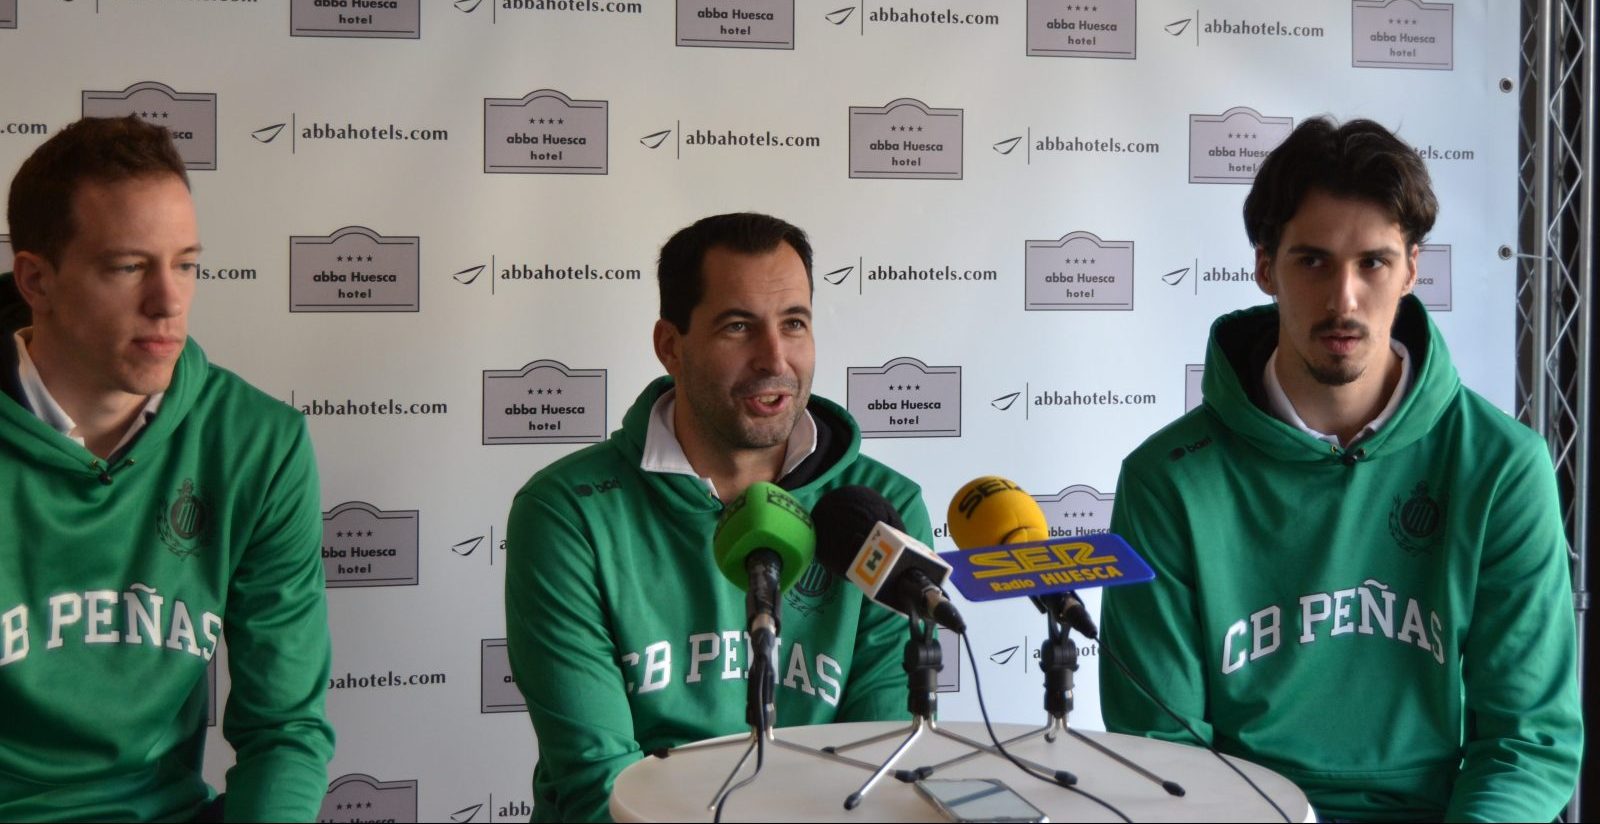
x=800 y=786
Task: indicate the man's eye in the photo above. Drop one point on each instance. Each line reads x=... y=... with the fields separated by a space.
x=795 y=324
x=737 y=326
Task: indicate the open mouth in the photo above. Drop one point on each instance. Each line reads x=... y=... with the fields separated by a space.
x=768 y=404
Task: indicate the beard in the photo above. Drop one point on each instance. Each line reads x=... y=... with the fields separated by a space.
x=1343 y=369
x=719 y=417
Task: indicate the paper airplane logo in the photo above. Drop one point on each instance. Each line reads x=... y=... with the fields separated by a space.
x=655 y=139
x=267 y=134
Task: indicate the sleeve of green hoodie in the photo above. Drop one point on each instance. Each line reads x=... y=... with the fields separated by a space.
x=1153 y=627
x=1524 y=729
x=579 y=710
x=279 y=653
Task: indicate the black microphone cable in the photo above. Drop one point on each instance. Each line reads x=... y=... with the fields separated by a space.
x=1061 y=778
x=766 y=697
x=1115 y=659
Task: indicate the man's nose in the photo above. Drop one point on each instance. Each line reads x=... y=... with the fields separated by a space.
x=1344 y=291
x=164 y=291
x=770 y=348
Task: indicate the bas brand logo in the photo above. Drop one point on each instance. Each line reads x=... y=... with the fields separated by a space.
x=601 y=488
x=1178 y=452
x=1415 y=522
x=183 y=522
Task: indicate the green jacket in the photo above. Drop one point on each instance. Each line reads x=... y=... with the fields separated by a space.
x=117 y=581
x=624 y=638
x=1388 y=625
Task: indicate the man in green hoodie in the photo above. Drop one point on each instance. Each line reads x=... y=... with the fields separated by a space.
x=151 y=506
x=623 y=636
x=1361 y=574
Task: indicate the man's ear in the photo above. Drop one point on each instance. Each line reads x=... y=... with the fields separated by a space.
x=667 y=339
x=1411 y=268
x=1264 y=272
x=35 y=279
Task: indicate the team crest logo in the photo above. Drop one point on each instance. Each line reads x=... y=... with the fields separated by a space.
x=814 y=591
x=1417 y=522
x=183 y=521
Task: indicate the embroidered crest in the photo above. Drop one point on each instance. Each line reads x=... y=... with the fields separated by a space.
x=184 y=521
x=815 y=589
x=1417 y=522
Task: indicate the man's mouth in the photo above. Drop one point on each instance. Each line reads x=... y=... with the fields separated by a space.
x=1340 y=338
x=766 y=404
x=160 y=346
x=1341 y=344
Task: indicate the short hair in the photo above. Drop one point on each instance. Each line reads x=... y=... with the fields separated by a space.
x=680 y=273
x=94 y=149
x=1360 y=160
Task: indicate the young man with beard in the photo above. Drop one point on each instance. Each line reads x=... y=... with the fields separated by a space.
x=1361 y=574
x=152 y=505
x=623 y=636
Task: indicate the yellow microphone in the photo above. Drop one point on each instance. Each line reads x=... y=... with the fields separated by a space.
x=991 y=511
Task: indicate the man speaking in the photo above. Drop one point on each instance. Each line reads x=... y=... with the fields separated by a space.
x=623 y=636
x=1361 y=576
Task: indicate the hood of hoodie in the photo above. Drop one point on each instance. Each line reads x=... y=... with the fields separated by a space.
x=838 y=442
x=21 y=429
x=1242 y=341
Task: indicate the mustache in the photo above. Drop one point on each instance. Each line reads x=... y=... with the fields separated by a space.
x=766 y=386
x=1348 y=326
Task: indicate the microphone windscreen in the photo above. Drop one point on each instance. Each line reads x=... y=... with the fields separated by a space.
x=764 y=517
x=991 y=511
x=843 y=518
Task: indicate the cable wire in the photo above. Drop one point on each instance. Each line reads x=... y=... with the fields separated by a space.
x=1056 y=779
x=1204 y=743
x=765 y=697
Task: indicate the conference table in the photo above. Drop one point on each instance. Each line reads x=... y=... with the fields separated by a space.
x=799 y=785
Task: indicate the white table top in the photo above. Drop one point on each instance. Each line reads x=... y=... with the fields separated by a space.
x=797 y=786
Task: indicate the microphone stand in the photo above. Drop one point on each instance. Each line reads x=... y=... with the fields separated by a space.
x=761 y=715
x=922 y=662
x=1058 y=659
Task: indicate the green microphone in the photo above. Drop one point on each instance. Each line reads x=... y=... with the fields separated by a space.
x=763 y=544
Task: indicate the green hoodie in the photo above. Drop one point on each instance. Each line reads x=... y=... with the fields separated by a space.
x=624 y=638
x=1388 y=625
x=117 y=581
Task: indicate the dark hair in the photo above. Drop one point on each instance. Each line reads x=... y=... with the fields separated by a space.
x=679 y=274
x=1360 y=160
x=94 y=149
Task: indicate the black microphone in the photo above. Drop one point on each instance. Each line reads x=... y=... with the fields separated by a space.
x=1068 y=609
x=860 y=537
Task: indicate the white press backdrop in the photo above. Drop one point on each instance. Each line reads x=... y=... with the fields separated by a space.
x=1025 y=215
